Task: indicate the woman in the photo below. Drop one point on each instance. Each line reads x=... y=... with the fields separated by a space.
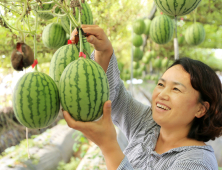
x=186 y=112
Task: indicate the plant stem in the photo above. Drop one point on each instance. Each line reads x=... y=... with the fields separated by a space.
x=20 y=18
x=35 y=45
x=8 y=8
x=195 y=15
x=80 y=32
x=69 y=14
x=13 y=27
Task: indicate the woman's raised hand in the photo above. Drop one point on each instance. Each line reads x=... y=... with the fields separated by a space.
x=101 y=132
x=101 y=43
x=98 y=38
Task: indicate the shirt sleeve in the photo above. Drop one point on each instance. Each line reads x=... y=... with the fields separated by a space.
x=125 y=165
x=128 y=114
x=191 y=165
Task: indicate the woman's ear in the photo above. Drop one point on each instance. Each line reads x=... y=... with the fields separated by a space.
x=204 y=107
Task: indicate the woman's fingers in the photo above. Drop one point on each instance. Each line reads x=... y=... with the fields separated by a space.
x=107 y=110
x=73 y=123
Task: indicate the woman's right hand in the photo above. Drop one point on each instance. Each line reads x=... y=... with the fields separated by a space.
x=98 y=38
x=101 y=43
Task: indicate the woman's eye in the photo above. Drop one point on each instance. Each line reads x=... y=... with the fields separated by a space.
x=176 y=89
x=160 y=84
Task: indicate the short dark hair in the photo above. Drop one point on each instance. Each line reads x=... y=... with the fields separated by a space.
x=207 y=83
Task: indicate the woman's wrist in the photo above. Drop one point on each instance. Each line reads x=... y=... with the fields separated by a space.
x=113 y=155
x=103 y=57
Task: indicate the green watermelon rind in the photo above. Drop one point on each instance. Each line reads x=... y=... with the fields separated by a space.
x=54 y=36
x=161 y=29
x=195 y=34
x=83 y=90
x=62 y=57
x=177 y=7
x=36 y=100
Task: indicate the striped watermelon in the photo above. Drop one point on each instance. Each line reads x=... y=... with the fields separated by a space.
x=147 y=27
x=137 y=40
x=62 y=57
x=137 y=54
x=53 y=36
x=139 y=26
x=87 y=17
x=36 y=100
x=161 y=29
x=195 y=34
x=177 y=7
x=83 y=89
x=47 y=16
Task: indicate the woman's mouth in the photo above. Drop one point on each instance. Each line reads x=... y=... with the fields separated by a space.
x=163 y=107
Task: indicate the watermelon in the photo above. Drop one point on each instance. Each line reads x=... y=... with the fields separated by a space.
x=47 y=16
x=36 y=100
x=164 y=62
x=87 y=17
x=54 y=36
x=137 y=40
x=195 y=34
x=153 y=53
x=137 y=54
x=147 y=57
x=161 y=29
x=156 y=63
x=83 y=89
x=62 y=57
x=136 y=65
x=177 y=7
x=181 y=39
x=139 y=26
x=147 y=26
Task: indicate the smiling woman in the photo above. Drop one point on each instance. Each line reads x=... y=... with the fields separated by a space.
x=186 y=112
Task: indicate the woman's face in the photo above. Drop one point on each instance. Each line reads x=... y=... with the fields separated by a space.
x=175 y=101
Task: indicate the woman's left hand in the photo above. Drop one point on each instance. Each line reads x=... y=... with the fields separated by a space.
x=101 y=132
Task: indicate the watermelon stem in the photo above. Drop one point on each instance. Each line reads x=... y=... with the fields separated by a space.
x=14 y=27
x=69 y=13
x=80 y=32
x=35 y=46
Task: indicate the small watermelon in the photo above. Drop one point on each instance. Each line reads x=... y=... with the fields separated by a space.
x=137 y=54
x=139 y=26
x=195 y=34
x=137 y=40
x=147 y=26
x=161 y=29
x=53 y=36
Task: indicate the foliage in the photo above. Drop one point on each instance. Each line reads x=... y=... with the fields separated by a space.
x=73 y=164
x=19 y=152
x=116 y=18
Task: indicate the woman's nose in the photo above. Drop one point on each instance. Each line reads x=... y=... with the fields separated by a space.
x=164 y=94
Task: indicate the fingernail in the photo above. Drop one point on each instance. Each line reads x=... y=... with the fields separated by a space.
x=91 y=38
x=109 y=103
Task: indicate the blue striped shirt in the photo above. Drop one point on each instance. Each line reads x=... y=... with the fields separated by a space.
x=136 y=122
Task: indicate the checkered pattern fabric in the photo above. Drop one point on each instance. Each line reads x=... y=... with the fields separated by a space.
x=136 y=122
